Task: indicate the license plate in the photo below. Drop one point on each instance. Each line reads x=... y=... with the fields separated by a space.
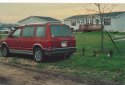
x=64 y=44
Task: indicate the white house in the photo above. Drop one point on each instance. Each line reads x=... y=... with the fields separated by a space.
x=38 y=20
x=4 y=28
x=114 y=21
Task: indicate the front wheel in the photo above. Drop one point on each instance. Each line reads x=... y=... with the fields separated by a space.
x=38 y=54
x=4 y=51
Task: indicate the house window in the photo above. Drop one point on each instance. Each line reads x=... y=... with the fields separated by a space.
x=104 y=20
x=78 y=21
x=97 y=21
x=107 y=21
x=73 y=23
x=91 y=21
x=82 y=21
x=87 y=21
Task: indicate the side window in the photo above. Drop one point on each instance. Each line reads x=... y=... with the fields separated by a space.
x=40 y=31
x=28 y=31
x=108 y=21
x=73 y=22
x=16 y=33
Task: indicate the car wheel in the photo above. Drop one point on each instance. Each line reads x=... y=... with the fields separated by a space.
x=38 y=54
x=4 y=51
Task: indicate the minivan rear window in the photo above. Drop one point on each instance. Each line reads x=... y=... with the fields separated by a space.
x=60 y=30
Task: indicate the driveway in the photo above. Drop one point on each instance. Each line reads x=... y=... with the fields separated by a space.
x=10 y=75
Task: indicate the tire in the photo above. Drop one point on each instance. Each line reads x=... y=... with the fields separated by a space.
x=4 y=51
x=38 y=55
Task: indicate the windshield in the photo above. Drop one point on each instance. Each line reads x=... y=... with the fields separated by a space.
x=60 y=30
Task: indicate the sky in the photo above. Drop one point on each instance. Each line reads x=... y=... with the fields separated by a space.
x=14 y=12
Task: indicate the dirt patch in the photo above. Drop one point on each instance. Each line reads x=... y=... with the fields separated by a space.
x=102 y=82
x=31 y=75
x=22 y=72
x=11 y=75
x=4 y=80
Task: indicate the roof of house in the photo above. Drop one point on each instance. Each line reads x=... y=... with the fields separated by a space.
x=77 y=16
x=41 y=17
x=47 y=18
x=112 y=14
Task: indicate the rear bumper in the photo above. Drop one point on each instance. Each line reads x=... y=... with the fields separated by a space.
x=59 y=51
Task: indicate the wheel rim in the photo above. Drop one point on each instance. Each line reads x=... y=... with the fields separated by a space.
x=38 y=55
x=4 y=51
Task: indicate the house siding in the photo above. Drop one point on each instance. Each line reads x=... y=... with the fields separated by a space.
x=117 y=24
x=77 y=26
x=68 y=22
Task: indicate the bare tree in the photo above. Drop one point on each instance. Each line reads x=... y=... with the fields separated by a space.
x=100 y=10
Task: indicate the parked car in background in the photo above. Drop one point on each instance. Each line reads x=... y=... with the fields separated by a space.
x=40 y=40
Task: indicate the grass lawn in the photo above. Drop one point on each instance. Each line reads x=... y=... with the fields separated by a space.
x=89 y=66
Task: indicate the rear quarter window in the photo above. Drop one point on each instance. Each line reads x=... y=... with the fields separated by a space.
x=60 y=30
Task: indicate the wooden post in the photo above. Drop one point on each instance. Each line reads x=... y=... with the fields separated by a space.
x=95 y=53
x=110 y=54
x=83 y=51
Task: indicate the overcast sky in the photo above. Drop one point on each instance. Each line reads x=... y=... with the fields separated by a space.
x=11 y=13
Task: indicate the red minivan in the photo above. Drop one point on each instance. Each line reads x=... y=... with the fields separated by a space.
x=40 y=40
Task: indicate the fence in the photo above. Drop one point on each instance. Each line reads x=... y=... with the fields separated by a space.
x=117 y=42
x=91 y=41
